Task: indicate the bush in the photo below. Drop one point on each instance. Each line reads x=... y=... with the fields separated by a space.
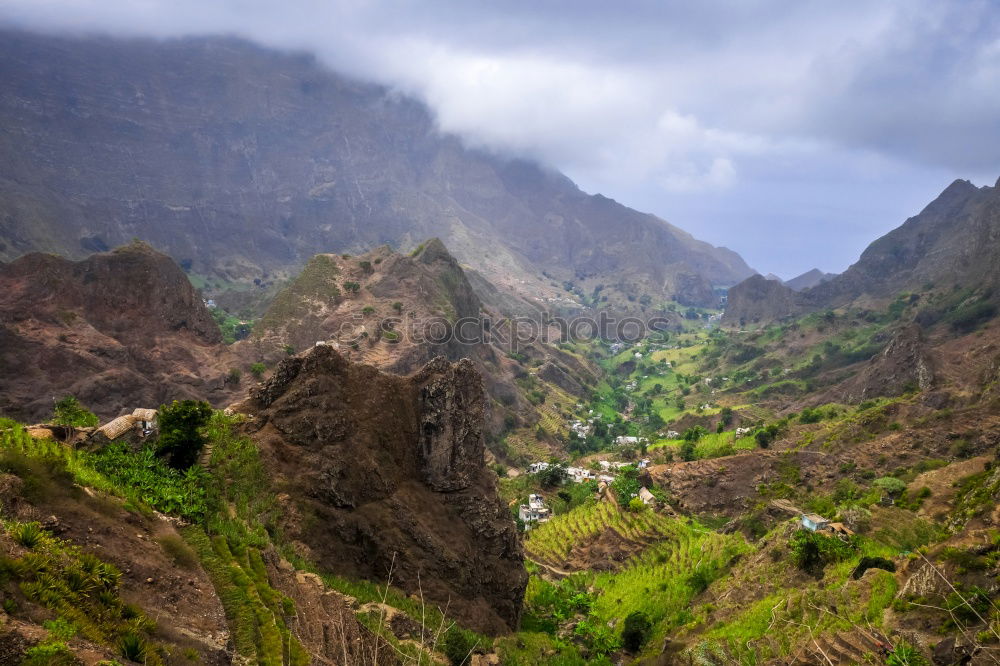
x=635 y=631
x=258 y=370
x=635 y=505
x=397 y=306
x=890 y=485
x=181 y=439
x=69 y=412
x=28 y=535
x=458 y=645
x=811 y=551
x=352 y=287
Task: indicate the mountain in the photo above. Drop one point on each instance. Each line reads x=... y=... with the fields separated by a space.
x=398 y=312
x=387 y=473
x=810 y=278
x=951 y=245
x=242 y=163
x=118 y=330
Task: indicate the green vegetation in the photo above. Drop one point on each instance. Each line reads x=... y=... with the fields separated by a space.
x=69 y=412
x=181 y=439
x=81 y=591
x=258 y=369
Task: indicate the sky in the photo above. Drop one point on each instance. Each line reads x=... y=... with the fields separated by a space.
x=794 y=132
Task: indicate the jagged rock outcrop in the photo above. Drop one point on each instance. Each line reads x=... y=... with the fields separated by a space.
x=245 y=162
x=119 y=329
x=386 y=477
x=903 y=365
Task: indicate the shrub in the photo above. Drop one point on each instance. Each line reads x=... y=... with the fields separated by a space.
x=635 y=631
x=258 y=370
x=367 y=310
x=635 y=505
x=890 y=485
x=289 y=350
x=398 y=307
x=69 y=412
x=180 y=431
x=687 y=451
x=28 y=535
x=234 y=376
x=366 y=266
x=811 y=550
x=905 y=654
x=132 y=647
x=352 y=287
x=458 y=645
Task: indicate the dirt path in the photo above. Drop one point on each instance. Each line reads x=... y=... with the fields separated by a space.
x=558 y=573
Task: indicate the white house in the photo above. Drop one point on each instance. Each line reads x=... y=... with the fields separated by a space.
x=579 y=474
x=647 y=497
x=673 y=434
x=643 y=464
x=535 y=468
x=607 y=466
x=742 y=432
x=534 y=511
x=626 y=440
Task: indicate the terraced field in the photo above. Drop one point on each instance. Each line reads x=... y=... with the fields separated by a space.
x=552 y=542
x=662 y=581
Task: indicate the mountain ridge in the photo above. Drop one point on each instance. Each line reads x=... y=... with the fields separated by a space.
x=243 y=162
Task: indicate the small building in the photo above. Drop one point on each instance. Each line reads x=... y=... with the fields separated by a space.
x=535 y=468
x=643 y=464
x=579 y=474
x=742 y=432
x=647 y=497
x=626 y=440
x=115 y=428
x=814 y=522
x=535 y=511
x=146 y=418
x=673 y=434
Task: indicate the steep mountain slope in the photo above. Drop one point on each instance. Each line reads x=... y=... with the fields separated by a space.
x=119 y=329
x=386 y=474
x=397 y=312
x=244 y=163
x=952 y=244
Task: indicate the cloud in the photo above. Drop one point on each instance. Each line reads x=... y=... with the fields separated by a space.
x=692 y=110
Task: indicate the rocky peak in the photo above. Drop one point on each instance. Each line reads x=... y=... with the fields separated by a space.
x=388 y=472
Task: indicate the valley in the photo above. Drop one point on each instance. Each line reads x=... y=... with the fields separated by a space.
x=289 y=376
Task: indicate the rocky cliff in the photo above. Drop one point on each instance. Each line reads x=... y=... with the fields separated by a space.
x=386 y=478
x=243 y=163
x=119 y=330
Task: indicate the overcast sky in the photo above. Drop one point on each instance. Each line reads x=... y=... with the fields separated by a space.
x=793 y=132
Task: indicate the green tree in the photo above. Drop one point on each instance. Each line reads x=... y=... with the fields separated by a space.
x=554 y=475
x=635 y=631
x=69 y=412
x=258 y=370
x=181 y=439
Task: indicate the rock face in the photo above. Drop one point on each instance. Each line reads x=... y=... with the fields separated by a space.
x=245 y=162
x=119 y=330
x=386 y=478
x=903 y=365
x=952 y=242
